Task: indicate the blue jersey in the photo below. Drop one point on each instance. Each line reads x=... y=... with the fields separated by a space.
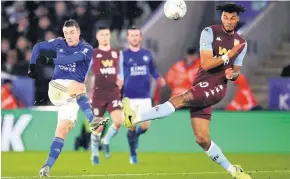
x=71 y=63
x=137 y=70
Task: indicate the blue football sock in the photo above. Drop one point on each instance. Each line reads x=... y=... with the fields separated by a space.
x=132 y=140
x=95 y=143
x=215 y=153
x=85 y=106
x=55 y=150
x=140 y=131
x=110 y=134
x=157 y=112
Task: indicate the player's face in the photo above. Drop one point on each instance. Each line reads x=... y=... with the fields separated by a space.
x=230 y=21
x=104 y=37
x=71 y=35
x=134 y=37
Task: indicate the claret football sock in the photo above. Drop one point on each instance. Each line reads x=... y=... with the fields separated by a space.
x=55 y=150
x=215 y=153
x=85 y=106
x=156 y=112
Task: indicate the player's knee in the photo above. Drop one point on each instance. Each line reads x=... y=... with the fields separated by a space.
x=145 y=125
x=117 y=118
x=202 y=140
x=63 y=128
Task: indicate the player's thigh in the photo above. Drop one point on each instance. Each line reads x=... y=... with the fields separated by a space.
x=200 y=121
x=114 y=108
x=75 y=88
x=67 y=116
x=185 y=99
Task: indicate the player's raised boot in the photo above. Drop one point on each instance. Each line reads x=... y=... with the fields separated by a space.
x=95 y=160
x=239 y=173
x=97 y=122
x=44 y=171
x=129 y=113
x=106 y=149
x=133 y=160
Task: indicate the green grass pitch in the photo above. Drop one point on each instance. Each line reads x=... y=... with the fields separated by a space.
x=77 y=165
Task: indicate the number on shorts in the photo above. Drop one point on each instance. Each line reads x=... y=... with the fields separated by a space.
x=203 y=84
x=116 y=103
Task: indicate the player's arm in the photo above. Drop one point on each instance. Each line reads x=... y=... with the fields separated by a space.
x=120 y=78
x=237 y=64
x=46 y=45
x=154 y=72
x=85 y=53
x=206 y=52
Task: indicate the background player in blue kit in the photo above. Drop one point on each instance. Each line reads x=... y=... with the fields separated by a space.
x=222 y=51
x=66 y=89
x=138 y=67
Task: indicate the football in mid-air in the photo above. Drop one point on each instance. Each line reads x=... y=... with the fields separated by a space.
x=174 y=9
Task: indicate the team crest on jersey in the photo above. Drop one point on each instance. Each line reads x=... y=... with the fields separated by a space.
x=236 y=42
x=99 y=55
x=61 y=50
x=114 y=54
x=145 y=58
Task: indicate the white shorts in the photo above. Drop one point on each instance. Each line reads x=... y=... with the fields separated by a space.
x=67 y=106
x=141 y=105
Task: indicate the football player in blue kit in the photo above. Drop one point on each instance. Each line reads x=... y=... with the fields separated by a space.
x=66 y=90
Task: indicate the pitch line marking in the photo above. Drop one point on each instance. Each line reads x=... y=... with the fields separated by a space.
x=143 y=174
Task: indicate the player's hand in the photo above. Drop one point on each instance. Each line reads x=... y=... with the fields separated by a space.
x=32 y=71
x=161 y=81
x=235 y=50
x=229 y=73
x=119 y=82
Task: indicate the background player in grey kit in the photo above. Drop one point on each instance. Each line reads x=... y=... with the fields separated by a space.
x=66 y=89
x=222 y=52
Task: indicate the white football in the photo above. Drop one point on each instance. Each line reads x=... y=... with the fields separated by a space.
x=174 y=9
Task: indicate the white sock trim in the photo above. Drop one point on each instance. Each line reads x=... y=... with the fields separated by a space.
x=170 y=105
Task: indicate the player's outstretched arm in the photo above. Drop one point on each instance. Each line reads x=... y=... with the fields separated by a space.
x=84 y=54
x=46 y=45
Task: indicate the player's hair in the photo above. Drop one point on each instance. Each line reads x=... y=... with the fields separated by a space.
x=71 y=23
x=7 y=81
x=231 y=7
x=134 y=28
x=102 y=28
x=191 y=51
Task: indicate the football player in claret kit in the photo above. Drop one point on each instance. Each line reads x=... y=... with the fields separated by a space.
x=222 y=52
x=66 y=89
x=108 y=73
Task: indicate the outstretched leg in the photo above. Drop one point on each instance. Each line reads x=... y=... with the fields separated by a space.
x=157 y=112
